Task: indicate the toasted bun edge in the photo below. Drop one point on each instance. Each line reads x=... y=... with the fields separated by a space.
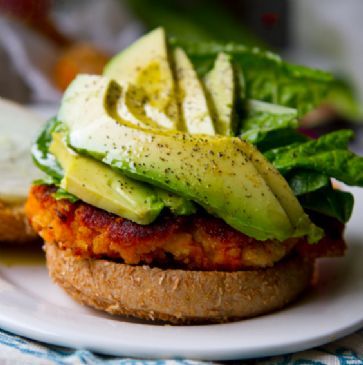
x=178 y=296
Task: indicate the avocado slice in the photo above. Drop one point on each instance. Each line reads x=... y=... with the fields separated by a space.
x=215 y=171
x=131 y=107
x=191 y=97
x=220 y=89
x=283 y=193
x=145 y=64
x=177 y=204
x=100 y=186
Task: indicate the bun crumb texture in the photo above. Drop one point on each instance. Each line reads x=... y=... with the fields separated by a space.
x=178 y=296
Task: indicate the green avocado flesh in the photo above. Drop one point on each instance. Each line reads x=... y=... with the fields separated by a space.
x=100 y=186
x=177 y=204
x=145 y=64
x=220 y=89
x=131 y=107
x=225 y=175
x=191 y=97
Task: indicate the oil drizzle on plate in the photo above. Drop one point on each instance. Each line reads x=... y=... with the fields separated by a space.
x=31 y=255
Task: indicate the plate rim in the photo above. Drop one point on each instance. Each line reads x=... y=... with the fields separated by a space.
x=52 y=338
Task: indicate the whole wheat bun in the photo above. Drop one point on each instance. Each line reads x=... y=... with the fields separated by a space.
x=178 y=296
x=14 y=226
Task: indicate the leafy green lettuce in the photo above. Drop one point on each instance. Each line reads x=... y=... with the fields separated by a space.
x=331 y=202
x=308 y=167
x=328 y=155
x=47 y=162
x=63 y=194
x=269 y=78
x=306 y=181
x=269 y=125
x=41 y=155
x=315 y=192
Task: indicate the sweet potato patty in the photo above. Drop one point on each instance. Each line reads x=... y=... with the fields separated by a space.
x=198 y=242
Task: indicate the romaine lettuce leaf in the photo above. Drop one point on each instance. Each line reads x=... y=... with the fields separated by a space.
x=46 y=180
x=267 y=140
x=308 y=166
x=334 y=203
x=328 y=155
x=41 y=155
x=63 y=194
x=269 y=126
x=266 y=116
x=306 y=181
x=47 y=162
x=59 y=193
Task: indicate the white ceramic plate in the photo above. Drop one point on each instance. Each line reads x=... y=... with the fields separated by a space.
x=30 y=305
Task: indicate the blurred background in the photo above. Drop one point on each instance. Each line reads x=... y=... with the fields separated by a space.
x=45 y=43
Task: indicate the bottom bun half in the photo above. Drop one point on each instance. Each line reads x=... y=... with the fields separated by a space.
x=178 y=296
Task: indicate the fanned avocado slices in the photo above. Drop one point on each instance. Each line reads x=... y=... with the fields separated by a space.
x=145 y=64
x=220 y=173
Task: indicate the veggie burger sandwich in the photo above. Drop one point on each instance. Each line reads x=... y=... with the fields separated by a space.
x=179 y=189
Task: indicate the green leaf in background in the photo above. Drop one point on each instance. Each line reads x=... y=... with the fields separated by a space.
x=194 y=21
x=334 y=203
x=344 y=101
x=328 y=155
x=41 y=155
x=269 y=78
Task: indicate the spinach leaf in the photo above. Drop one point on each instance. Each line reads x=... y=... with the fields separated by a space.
x=40 y=151
x=328 y=155
x=327 y=201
